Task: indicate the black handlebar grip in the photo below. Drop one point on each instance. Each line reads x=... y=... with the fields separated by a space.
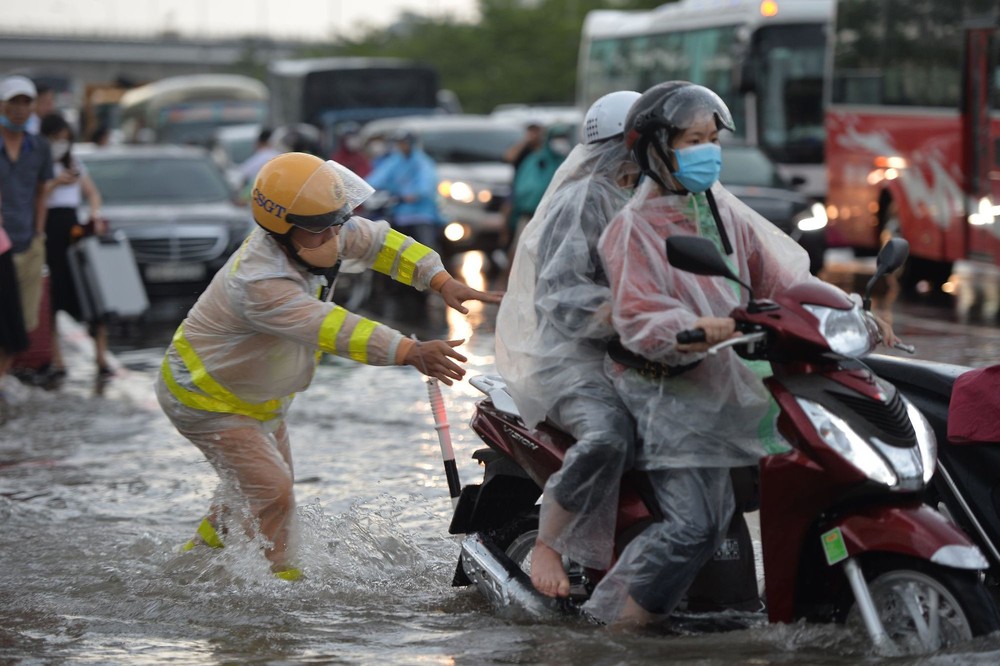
x=691 y=336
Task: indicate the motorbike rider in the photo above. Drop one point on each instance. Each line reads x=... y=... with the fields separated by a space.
x=409 y=174
x=697 y=416
x=255 y=335
x=551 y=338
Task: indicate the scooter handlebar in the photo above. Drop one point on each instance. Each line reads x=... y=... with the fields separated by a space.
x=691 y=336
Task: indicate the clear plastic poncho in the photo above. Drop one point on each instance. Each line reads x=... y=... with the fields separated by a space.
x=718 y=414
x=258 y=326
x=554 y=323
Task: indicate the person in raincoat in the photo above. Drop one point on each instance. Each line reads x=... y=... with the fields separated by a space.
x=700 y=415
x=551 y=338
x=410 y=175
x=532 y=178
x=254 y=338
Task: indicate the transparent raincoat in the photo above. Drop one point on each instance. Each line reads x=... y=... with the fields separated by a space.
x=717 y=414
x=258 y=328
x=555 y=320
x=254 y=339
x=552 y=332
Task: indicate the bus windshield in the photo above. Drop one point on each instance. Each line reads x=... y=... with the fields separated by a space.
x=788 y=63
x=372 y=88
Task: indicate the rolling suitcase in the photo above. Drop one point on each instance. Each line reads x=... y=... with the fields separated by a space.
x=107 y=278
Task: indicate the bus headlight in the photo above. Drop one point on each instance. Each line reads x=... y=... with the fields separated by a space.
x=812 y=220
x=986 y=213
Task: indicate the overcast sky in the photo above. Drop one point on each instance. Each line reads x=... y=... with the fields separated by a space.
x=305 y=19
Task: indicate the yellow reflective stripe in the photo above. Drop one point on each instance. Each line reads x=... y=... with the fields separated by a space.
x=330 y=328
x=291 y=573
x=204 y=381
x=390 y=249
x=208 y=534
x=408 y=262
x=202 y=402
x=242 y=250
x=358 y=346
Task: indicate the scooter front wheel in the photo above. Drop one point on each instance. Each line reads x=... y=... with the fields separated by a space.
x=925 y=607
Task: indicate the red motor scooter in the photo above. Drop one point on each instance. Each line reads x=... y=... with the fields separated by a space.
x=844 y=531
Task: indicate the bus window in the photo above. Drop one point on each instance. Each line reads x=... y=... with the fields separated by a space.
x=768 y=68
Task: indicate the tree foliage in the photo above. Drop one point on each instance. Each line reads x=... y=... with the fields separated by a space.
x=520 y=50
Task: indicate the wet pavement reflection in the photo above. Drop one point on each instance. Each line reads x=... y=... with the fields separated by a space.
x=97 y=490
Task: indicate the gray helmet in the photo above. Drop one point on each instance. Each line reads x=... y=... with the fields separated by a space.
x=666 y=110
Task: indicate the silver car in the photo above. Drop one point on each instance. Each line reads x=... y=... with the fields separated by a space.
x=175 y=207
x=474 y=179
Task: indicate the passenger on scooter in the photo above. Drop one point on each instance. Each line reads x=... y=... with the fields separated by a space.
x=552 y=333
x=255 y=336
x=702 y=415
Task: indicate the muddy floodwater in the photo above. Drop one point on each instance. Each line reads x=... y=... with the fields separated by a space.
x=97 y=492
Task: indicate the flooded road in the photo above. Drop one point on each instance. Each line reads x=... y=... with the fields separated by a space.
x=98 y=491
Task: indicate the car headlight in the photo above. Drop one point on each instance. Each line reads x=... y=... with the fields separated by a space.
x=463 y=192
x=812 y=220
x=455 y=232
x=850 y=333
x=840 y=437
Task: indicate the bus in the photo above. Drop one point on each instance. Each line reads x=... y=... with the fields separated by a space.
x=913 y=131
x=765 y=58
x=188 y=109
x=326 y=92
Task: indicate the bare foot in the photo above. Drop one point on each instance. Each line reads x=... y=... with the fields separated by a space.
x=547 y=572
x=632 y=616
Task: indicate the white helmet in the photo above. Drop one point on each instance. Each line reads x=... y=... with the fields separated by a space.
x=606 y=117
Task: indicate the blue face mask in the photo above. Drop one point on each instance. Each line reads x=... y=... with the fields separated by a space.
x=13 y=127
x=698 y=167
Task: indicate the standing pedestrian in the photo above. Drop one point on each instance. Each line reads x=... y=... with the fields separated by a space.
x=13 y=337
x=25 y=171
x=72 y=186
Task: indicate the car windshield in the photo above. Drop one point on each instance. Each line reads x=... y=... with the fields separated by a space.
x=485 y=144
x=143 y=179
x=742 y=165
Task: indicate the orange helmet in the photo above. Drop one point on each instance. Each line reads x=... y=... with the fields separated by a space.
x=301 y=190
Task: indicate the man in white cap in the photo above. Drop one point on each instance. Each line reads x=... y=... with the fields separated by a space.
x=25 y=169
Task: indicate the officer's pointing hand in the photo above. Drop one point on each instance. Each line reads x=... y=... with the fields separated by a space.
x=433 y=358
x=455 y=293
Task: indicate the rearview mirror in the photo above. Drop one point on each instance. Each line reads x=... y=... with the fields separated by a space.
x=698 y=255
x=892 y=255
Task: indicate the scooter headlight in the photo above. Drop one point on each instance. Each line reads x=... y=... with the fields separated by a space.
x=840 y=437
x=849 y=333
x=926 y=440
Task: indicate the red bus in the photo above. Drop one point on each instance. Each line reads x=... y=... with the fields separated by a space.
x=913 y=130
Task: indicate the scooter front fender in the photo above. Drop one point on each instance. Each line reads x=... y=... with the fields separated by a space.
x=915 y=531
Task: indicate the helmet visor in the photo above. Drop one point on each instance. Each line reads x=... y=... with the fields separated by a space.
x=320 y=223
x=693 y=104
x=327 y=198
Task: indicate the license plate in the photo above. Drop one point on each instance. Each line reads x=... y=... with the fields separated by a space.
x=175 y=272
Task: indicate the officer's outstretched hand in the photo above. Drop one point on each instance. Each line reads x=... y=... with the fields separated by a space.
x=433 y=358
x=455 y=292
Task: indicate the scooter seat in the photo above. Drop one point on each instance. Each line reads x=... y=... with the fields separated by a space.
x=928 y=377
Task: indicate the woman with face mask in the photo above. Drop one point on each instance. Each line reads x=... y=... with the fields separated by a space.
x=698 y=416
x=71 y=186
